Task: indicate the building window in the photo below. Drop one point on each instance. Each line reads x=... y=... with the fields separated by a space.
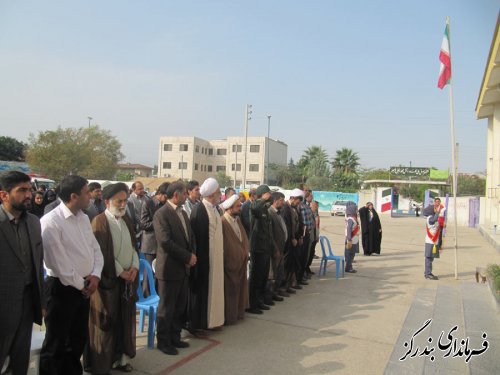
x=167 y=165
x=209 y=168
x=195 y=166
x=167 y=147
x=210 y=151
x=254 y=148
x=183 y=165
x=221 y=151
x=197 y=148
x=237 y=148
x=203 y=150
x=238 y=167
x=221 y=168
x=253 y=167
x=183 y=147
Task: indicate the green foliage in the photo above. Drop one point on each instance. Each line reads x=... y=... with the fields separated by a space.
x=223 y=179
x=470 y=185
x=11 y=149
x=124 y=176
x=90 y=152
x=288 y=177
x=414 y=192
x=493 y=273
x=320 y=183
x=314 y=162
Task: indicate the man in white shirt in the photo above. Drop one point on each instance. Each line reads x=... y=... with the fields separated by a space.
x=74 y=262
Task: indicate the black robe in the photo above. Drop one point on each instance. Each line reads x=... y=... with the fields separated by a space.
x=198 y=278
x=371 y=235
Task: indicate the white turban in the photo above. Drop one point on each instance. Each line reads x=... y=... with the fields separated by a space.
x=228 y=203
x=297 y=193
x=209 y=187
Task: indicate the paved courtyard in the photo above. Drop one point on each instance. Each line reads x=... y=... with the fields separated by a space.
x=354 y=325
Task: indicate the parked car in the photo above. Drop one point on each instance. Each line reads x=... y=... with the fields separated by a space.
x=338 y=208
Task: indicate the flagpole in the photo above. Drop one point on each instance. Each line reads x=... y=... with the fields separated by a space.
x=454 y=162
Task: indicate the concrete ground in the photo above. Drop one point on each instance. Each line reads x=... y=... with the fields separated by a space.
x=346 y=326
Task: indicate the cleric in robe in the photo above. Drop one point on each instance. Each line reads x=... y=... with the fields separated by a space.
x=112 y=320
x=236 y=252
x=206 y=302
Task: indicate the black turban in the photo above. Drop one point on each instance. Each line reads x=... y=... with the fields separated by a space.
x=110 y=190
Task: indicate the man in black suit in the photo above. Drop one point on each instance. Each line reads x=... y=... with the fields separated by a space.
x=280 y=235
x=21 y=279
x=174 y=258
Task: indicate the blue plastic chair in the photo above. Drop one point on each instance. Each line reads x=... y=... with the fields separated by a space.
x=339 y=260
x=148 y=305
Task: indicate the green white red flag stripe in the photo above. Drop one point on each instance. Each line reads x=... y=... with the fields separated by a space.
x=445 y=59
x=386 y=203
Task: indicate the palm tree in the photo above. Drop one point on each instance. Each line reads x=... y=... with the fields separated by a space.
x=346 y=161
x=314 y=162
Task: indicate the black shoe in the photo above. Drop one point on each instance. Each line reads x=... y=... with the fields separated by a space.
x=291 y=291
x=303 y=282
x=170 y=350
x=310 y=273
x=307 y=277
x=277 y=298
x=284 y=294
x=180 y=344
x=269 y=303
x=264 y=307
x=125 y=368
x=315 y=257
x=431 y=277
x=296 y=287
x=254 y=311
x=352 y=271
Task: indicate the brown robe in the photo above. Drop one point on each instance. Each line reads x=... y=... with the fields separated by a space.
x=235 y=272
x=112 y=319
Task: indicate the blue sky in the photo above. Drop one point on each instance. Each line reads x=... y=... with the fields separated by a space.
x=357 y=74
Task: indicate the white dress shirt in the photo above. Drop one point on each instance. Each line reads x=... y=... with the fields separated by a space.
x=71 y=251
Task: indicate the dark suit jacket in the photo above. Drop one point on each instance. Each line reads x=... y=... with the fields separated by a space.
x=148 y=241
x=11 y=273
x=278 y=233
x=174 y=248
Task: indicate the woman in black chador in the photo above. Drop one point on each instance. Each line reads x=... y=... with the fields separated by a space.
x=371 y=229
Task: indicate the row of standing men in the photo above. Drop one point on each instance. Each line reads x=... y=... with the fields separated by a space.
x=88 y=298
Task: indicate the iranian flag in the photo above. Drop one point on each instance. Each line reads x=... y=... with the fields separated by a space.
x=386 y=203
x=445 y=58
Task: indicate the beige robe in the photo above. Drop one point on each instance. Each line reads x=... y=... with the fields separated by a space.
x=236 y=252
x=215 y=305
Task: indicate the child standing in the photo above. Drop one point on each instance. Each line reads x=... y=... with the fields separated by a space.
x=351 y=235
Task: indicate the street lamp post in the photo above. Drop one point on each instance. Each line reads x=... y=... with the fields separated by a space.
x=90 y=118
x=247 y=118
x=267 y=147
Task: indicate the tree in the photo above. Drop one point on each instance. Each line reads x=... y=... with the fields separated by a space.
x=223 y=179
x=286 y=176
x=90 y=152
x=345 y=166
x=470 y=185
x=11 y=149
x=346 y=161
x=124 y=176
x=314 y=162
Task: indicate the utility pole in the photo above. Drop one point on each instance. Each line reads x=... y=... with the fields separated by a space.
x=90 y=118
x=267 y=147
x=247 y=118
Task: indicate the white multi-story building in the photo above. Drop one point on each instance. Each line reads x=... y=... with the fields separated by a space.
x=192 y=158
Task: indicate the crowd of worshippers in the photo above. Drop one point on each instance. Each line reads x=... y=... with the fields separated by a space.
x=77 y=267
